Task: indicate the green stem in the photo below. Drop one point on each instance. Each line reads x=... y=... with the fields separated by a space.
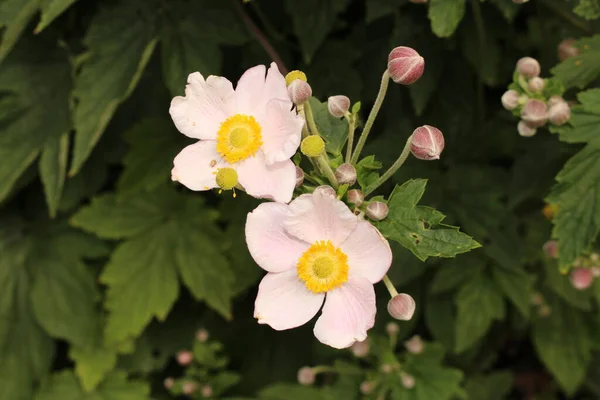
x=385 y=78
x=351 y=128
x=392 y=170
x=390 y=286
x=479 y=25
x=310 y=119
x=326 y=169
x=568 y=16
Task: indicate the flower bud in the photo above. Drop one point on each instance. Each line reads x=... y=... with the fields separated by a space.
x=414 y=345
x=377 y=210
x=325 y=190
x=427 y=143
x=355 y=197
x=185 y=358
x=299 y=176
x=595 y=272
x=536 y=84
x=386 y=368
x=312 y=146
x=528 y=67
x=338 y=106
x=206 y=391
x=189 y=388
x=299 y=91
x=345 y=174
x=566 y=49
x=559 y=113
x=581 y=278
x=535 y=113
x=405 y=65
x=392 y=328
x=360 y=349
x=402 y=307
x=168 y=383
x=367 y=387
x=544 y=311
x=550 y=211
x=536 y=299
x=553 y=100
x=594 y=257
x=295 y=75
x=510 y=99
x=525 y=130
x=408 y=381
x=551 y=248
x=306 y=376
x=202 y=335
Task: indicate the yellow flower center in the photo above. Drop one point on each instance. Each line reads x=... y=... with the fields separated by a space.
x=293 y=75
x=323 y=267
x=239 y=137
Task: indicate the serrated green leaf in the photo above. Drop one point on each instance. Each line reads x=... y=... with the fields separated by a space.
x=440 y=318
x=445 y=15
x=120 y=40
x=590 y=100
x=51 y=9
x=14 y=17
x=588 y=9
x=516 y=285
x=92 y=364
x=333 y=130
x=418 y=228
x=579 y=71
x=53 y=170
x=454 y=273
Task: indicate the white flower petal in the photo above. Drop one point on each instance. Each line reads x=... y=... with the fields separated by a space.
x=369 y=253
x=276 y=181
x=281 y=131
x=197 y=164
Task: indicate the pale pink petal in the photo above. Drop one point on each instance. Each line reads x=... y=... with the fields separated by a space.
x=275 y=84
x=273 y=249
x=205 y=106
x=281 y=131
x=284 y=302
x=348 y=313
x=197 y=164
x=369 y=253
x=249 y=92
x=320 y=216
x=275 y=182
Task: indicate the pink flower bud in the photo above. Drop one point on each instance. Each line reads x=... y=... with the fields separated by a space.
x=535 y=113
x=581 y=278
x=355 y=197
x=528 y=67
x=559 y=114
x=168 y=383
x=306 y=376
x=595 y=272
x=367 y=387
x=325 y=190
x=566 y=49
x=544 y=311
x=299 y=91
x=427 y=143
x=338 y=105
x=392 y=328
x=525 y=130
x=551 y=248
x=402 y=307
x=408 y=381
x=206 y=391
x=346 y=174
x=377 y=210
x=189 y=387
x=386 y=368
x=299 y=176
x=537 y=299
x=185 y=358
x=202 y=335
x=536 y=84
x=553 y=100
x=414 y=345
x=360 y=349
x=405 y=65
x=510 y=99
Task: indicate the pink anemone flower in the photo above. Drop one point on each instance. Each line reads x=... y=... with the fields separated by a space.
x=246 y=136
x=316 y=250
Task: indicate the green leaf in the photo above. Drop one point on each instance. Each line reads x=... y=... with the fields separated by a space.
x=588 y=9
x=53 y=169
x=64 y=386
x=286 y=391
x=333 y=130
x=51 y=9
x=494 y=386
x=14 y=17
x=419 y=228
x=454 y=273
x=562 y=341
x=577 y=195
x=92 y=364
x=440 y=318
x=508 y=9
x=479 y=303
x=381 y=8
x=579 y=71
x=445 y=15
x=120 y=40
x=561 y=285
x=516 y=285
x=590 y=100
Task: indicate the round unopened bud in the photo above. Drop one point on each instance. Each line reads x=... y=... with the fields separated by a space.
x=377 y=210
x=595 y=272
x=559 y=114
x=414 y=345
x=551 y=248
x=510 y=99
x=525 y=130
x=206 y=391
x=535 y=113
x=312 y=146
x=360 y=349
x=367 y=387
x=427 y=143
x=306 y=376
x=189 y=388
x=392 y=328
x=299 y=176
x=537 y=299
x=408 y=381
x=549 y=211
x=386 y=368
x=405 y=65
x=168 y=383
x=402 y=307
x=536 y=84
x=185 y=358
x=346 y=174
x=299 y=91
x=555 y=100
x=581 y=278
x=528 y=67
x=355 y=197
x=202 y=335
x=594 y=257
x=338 y=105
x=325 y=190
x=567 y=49
x=295 y=75
x=544 y=311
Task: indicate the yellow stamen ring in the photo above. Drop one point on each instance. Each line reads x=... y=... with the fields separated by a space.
x=323 y=267
x=239 y=137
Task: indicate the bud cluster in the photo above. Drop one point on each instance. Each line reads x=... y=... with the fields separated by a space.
x=539 y=302
x=585 y=268
x=535 y=100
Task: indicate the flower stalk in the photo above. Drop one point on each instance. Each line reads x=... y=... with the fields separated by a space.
x=351 y=128
x=392 y=170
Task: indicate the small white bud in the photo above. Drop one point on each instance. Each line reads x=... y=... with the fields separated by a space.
x=414 y=345
x=402 y=307
x=338 y=106
x=306 y=376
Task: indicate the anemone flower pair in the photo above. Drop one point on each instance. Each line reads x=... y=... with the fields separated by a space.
x=246 y=136
x=317 y=251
